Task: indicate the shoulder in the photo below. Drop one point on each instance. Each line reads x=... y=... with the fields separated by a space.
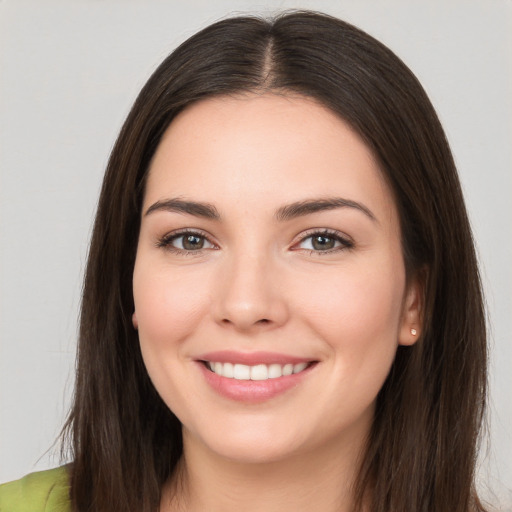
x=44 y=491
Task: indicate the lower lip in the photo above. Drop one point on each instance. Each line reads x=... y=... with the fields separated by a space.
x=252 y=391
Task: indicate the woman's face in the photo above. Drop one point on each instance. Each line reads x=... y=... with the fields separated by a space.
x=269 y=244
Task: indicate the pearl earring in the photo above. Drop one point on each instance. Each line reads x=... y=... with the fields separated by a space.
x=414 y=332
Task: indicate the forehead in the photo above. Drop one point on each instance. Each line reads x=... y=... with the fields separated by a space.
x=263 y=149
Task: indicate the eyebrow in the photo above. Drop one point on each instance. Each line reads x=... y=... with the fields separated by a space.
x=284 y=213
x=309 y=206
x=205 y=210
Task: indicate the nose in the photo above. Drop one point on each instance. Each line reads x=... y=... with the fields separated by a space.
x=250 y=296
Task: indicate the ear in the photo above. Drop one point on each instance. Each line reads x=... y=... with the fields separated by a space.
x=134 y=321
x=412 y=311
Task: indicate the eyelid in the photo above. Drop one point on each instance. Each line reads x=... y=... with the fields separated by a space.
x=166 y=240
x=345 y=241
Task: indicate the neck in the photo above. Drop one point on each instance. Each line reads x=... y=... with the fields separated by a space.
x=321 y=479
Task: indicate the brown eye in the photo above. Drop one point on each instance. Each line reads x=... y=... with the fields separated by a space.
x=322 y=243
x=325 y=242
x=192 y=242
x=186 y=241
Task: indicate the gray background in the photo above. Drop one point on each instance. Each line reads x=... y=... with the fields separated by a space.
x=69 y=72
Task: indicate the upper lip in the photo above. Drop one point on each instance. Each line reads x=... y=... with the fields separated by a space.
x=252 y=358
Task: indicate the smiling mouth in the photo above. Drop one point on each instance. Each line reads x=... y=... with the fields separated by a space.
x=257 y=372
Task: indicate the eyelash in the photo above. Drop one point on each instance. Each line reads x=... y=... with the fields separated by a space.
x=167 y=240
x=345 y=242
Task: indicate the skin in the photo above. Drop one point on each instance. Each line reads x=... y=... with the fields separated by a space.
x=259 y=284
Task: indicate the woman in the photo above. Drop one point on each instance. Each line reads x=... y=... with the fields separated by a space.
x=282 y=308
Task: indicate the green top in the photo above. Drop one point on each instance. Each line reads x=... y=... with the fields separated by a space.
x=44 y=491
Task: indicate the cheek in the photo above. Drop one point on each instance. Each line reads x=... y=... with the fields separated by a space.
x=355 y=304
x=358 y=316
x=169 y=305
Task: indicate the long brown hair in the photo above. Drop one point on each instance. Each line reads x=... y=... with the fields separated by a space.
x=421 y=451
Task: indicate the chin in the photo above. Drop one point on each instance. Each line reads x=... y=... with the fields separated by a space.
x=255 y=452
x=251 y=445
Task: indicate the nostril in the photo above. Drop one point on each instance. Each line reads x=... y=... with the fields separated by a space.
x=246 y=323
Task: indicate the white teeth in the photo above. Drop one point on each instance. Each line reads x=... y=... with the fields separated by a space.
x=287 y=369
x=257 y=372
x=299 y=367
x=275 y=371
x=228 y=370
x=241 y=372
